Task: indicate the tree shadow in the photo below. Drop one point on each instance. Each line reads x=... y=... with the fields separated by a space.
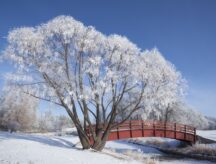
x=51 y=141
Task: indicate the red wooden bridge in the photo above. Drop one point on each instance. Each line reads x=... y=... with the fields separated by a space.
x=140 y=128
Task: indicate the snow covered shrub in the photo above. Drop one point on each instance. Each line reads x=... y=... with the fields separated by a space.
x=18 y=110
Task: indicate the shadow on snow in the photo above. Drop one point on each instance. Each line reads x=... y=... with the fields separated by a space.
x=54 y=141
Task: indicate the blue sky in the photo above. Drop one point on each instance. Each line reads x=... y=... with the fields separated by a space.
x=183 y=30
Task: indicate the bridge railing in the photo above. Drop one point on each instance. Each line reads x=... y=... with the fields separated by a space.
x=138 y=124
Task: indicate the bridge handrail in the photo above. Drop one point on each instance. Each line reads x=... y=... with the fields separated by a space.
x=154 y=125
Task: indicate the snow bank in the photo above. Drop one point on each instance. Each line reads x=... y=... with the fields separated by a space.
x=209 y=134
x=36 y=149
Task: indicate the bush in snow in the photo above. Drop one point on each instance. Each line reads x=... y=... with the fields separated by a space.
x=17 y=110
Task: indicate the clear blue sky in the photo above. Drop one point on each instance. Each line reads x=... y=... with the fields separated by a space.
x=183 y=30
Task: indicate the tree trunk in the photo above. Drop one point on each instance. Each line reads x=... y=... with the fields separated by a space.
x=99 y=145
x=101 y=141
x=84 y=141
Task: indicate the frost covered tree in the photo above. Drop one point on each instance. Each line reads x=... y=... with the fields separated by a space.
x=160 y=96
x=48 y=122
x=18 y=110
x=183 y=113
x=178 y=112
x=62 y=122
x=45 y=122
x=79 y=68
x=212 y=123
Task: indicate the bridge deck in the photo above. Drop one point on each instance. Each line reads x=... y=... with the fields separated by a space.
x=140 y=128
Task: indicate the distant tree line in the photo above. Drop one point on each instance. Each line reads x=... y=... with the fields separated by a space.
x=18 y=112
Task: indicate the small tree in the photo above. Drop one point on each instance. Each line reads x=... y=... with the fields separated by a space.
x=80 y=69
x=18 y=110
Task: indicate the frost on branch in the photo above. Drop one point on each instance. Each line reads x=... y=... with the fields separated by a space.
x=164 y=87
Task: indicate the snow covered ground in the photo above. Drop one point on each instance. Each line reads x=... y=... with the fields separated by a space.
x=20 y=148
x=36 y=149
x=148 y=151
x=123 y=146
x=210 y=134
